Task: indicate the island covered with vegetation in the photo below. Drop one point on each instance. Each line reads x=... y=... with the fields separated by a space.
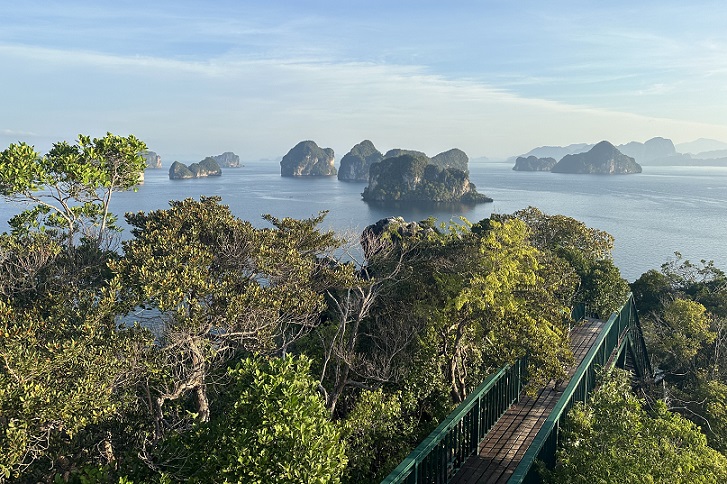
x=415 y=178
x=204 y=345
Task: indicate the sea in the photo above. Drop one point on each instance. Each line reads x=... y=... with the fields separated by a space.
x=652 y=215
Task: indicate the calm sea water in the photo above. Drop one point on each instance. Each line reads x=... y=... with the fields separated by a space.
x=651 y=215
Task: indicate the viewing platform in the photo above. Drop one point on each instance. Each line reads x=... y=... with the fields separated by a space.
x=505 y=444
x=499 y=431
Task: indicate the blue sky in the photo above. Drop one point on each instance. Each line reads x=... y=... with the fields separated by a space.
x=494 y=78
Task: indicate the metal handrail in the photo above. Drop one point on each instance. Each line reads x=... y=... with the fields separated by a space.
x=622 y=324
x=444 y=451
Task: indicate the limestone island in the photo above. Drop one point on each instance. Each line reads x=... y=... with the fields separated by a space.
x=152 y=159
x=228 y=159
x=356 y=163
x=414 y=178
x=307 y=159
x=533 y=163
x=602 y=159
x=206 y=167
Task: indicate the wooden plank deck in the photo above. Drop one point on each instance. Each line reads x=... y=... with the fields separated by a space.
x=504 y=446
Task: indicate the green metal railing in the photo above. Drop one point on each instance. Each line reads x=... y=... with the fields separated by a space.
x=444 y=451
x=622 y=331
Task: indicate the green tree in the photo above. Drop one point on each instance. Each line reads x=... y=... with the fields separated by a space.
x=586 y=250
x=616 y=439
x=271 y=426
x=683 y=311
x=215 y=287
x=501 y=310
x=66 y=373
x=379 y=431
x=71 y=186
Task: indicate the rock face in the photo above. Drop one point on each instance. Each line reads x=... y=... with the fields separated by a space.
x=533 y=163
x=206 y=167
x=152 y=159
x=373 y=235
x=604 y=159
x=454 y=158
x=652 y=149
x=307 y=159
x=412 y=178
x=356 y=163
x=228 y=159
x=179 y=171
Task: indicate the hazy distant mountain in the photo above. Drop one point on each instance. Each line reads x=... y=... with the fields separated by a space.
x=701 y=145
x=657 y=151
x=652 y=149
x=602 y=159
x=557 y=152
x=710 y=155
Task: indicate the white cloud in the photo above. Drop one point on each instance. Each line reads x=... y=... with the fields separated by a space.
x=187 y=109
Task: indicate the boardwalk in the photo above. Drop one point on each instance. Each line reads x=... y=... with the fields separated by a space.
x=503 y=447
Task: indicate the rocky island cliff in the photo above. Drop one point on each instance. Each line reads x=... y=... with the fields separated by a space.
x=533 y=163
x=153 y=160
x=228 y=159
x=412 y=178
x=206 y=167
x=356 y=163
x=602 y=159
x=307 y=159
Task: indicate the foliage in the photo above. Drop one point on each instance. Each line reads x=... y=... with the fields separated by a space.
x=70 y=186
x=616 y=439
x=586 y=250
x=272 y=426
x=63 y=376
x=215 y=287
x=684 y=316
x=379 y=431
x=386 y=345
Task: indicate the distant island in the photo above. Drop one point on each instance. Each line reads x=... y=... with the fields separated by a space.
x=307 y=159
x=356 y=163
x=533 y=163
x=656 y=151
x=602 y=159
x=413 y=178
x=228 y=159
x=206 y=167
x=153 y=160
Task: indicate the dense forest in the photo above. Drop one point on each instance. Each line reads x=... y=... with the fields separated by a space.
x=202 y=348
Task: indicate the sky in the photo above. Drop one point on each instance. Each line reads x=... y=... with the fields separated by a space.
x=494 y=78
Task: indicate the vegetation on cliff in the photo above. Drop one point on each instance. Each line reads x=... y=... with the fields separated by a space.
x=206 y=167
x=410 y=178
x=307 y=159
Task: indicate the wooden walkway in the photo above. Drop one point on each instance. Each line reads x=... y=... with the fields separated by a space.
x=504 y=446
